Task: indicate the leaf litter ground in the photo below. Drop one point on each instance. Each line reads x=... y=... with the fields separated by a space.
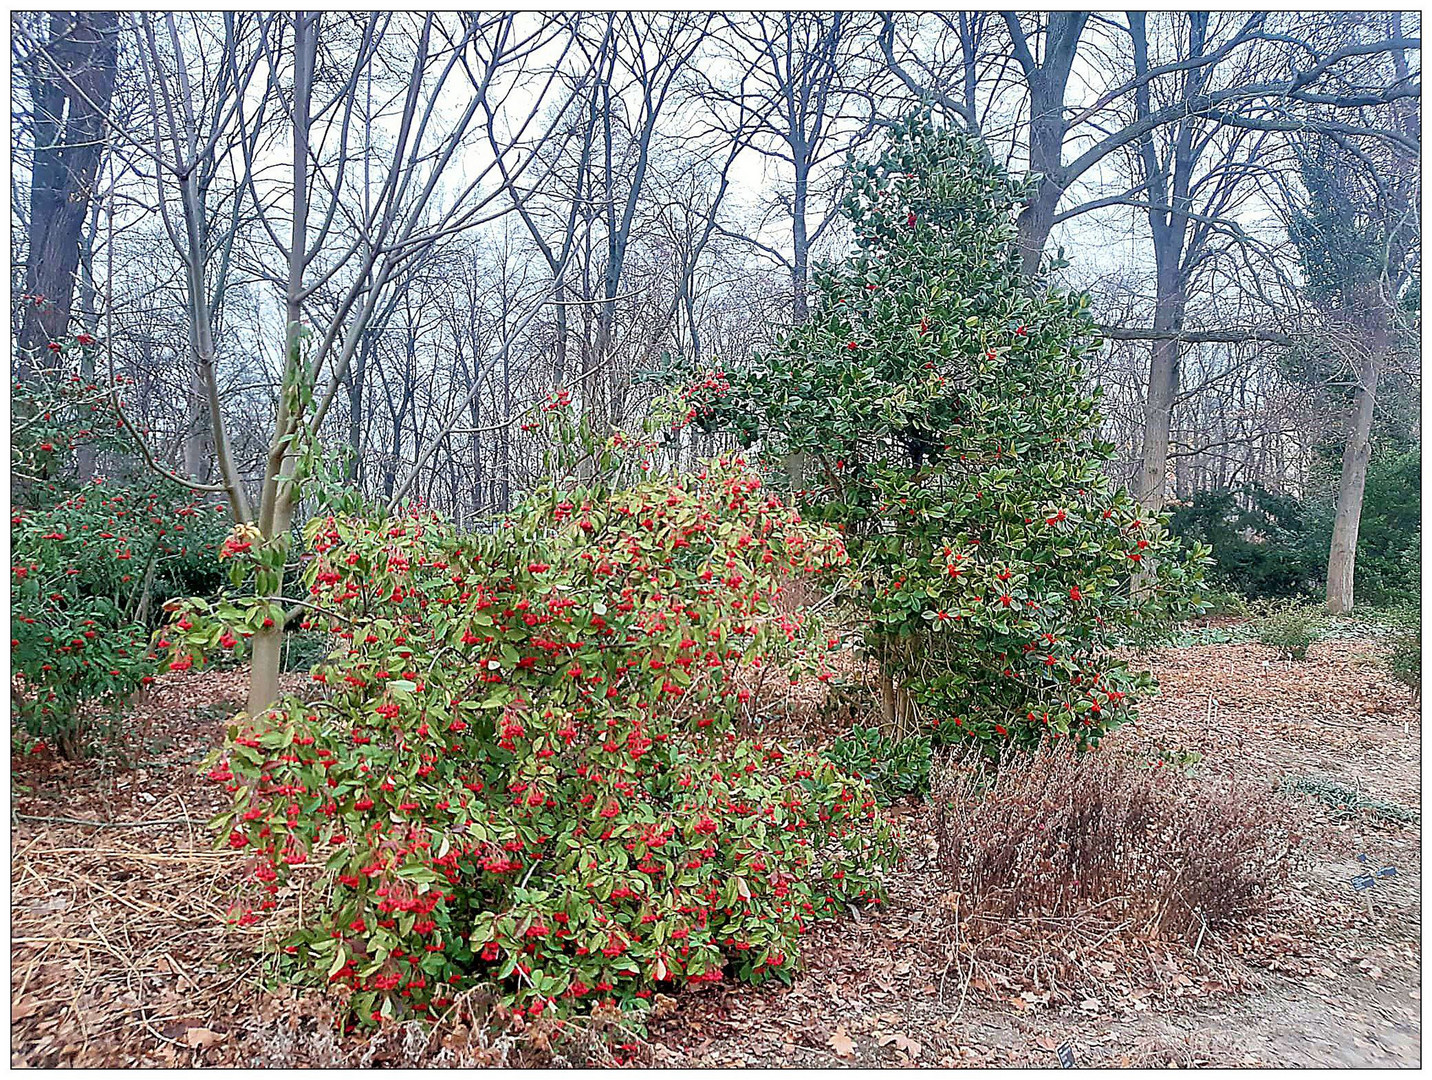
x=119 y=954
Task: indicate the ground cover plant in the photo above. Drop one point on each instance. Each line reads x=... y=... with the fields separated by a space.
x=895 y=768
x=522 y=767
x=1346 y=801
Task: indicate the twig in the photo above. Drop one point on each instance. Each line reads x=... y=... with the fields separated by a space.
x=146 y=856
x=99 y=824
x=188 y=825
x=30 y=967
x=1335 y=723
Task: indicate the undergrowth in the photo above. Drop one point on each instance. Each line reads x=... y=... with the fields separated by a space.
x=1069 y=872
x=1347 y=802
x=1291 y=629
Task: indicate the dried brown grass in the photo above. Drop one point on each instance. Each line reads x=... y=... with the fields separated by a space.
x=1058 y=834
x=1076 y=875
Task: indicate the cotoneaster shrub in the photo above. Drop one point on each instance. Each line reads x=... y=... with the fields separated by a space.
x=934 y=408
x=522 y=767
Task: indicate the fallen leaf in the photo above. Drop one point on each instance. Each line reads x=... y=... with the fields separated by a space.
x=201 y=1038
x=902 y=1042
x=842 y=1043
x=1090 y=1005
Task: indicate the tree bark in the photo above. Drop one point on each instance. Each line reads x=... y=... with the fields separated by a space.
x=1163 y=392
x=354 y=471
x=1046 y=157
x=800 y=243
x=72 y=80
x=1048 y=80
x=197 y=451
x=85 y=453
x=1342 y=553
x=279 y=495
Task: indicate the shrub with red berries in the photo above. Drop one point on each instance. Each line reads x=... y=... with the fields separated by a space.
x=520 y=765
x=90 y=561
x=935 y=409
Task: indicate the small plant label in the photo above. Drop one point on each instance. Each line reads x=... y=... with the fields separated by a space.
x=1066 y=1056
x=1387 y=871
x=1363 y=882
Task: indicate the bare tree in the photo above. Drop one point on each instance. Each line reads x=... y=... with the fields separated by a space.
x=1191 y=177
x=948 y=60
x=807 y=108
x=306 y=234
x=1047 y=50
x=70 y=77
x=299 y=82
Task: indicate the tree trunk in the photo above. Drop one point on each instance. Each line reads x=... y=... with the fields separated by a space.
x=197 y=453
x=887 y=697
x=795 y=474
x=390 y=472
x=354 y=471
x=1036 y=220
x=1168 y=179
x=146 y=591
x=89 y=316
x=894 y=700
x=1048 y=81
x=507 y=431
x=1342 y=556
x=1163 y=391
x=559 y=297
x=277 y=505
x=264 y=666
x=71 y=87
x=475 y=412
x=205 y=354
x=800 y=242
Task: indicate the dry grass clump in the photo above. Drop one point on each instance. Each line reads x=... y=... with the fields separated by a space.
x=1059 y=834
x=1078 y=876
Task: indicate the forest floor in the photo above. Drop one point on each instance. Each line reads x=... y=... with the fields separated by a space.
x=119 y=956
